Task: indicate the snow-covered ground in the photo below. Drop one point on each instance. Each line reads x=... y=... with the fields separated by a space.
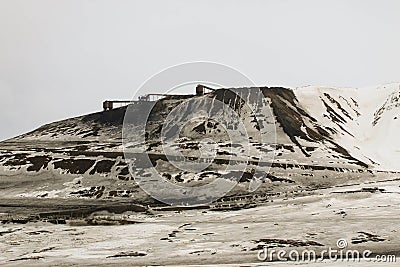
x=204 y=237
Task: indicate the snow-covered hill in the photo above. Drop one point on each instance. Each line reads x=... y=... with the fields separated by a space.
x=324 y=137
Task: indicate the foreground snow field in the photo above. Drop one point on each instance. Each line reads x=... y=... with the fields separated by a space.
x=354 y=213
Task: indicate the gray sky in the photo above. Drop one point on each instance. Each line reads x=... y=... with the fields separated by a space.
x=62 y=58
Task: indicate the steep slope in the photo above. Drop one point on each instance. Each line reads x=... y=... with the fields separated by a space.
x=364 y=121
x=381 y=125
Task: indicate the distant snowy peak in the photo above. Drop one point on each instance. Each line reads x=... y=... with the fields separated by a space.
x=391 y=103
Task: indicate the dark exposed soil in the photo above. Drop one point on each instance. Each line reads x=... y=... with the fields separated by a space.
x=17 y=160
x=128 y=254
x=201 y=128
x=366 y=237
x=93 y=192
x=103 y=166
x=273 y=242
x=333 y=101
x=289 y=115
x=38 y=163
x=120 y=193
x=74 y=166
x=110 y=117
x=334 y=115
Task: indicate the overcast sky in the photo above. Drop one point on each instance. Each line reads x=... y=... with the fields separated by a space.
x=62 y=58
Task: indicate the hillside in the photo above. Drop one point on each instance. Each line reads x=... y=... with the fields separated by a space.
x=323 y=137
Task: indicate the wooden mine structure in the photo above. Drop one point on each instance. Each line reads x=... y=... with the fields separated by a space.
x=200 y=89
x=109 y=104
